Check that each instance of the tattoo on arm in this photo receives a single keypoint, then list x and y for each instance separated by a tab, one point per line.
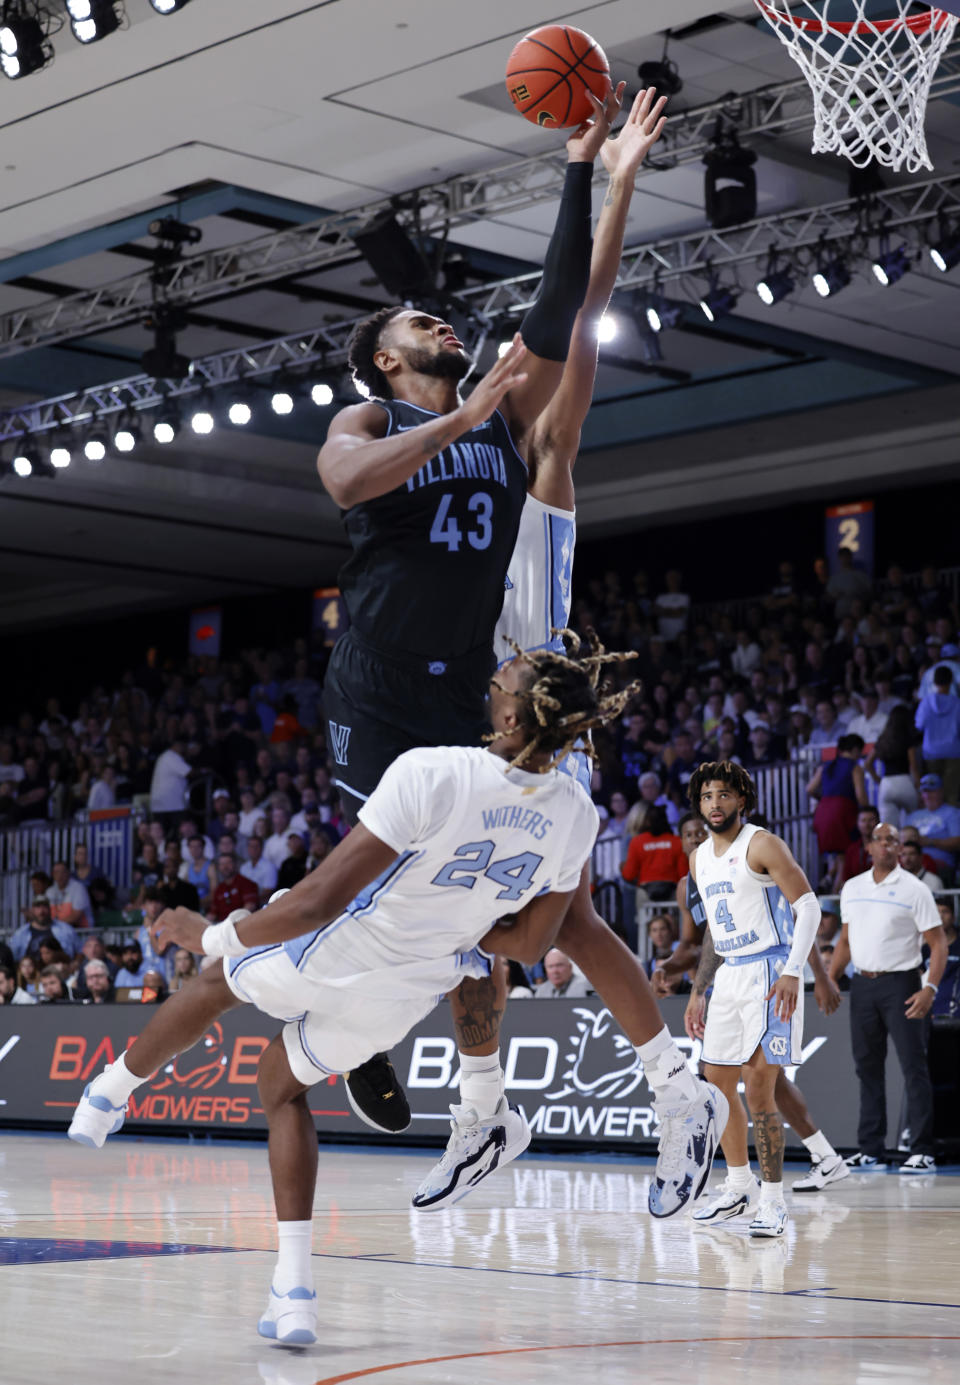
477	1006
709	965
768	1138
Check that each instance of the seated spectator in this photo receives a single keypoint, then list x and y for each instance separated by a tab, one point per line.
28	975
98	988
26	940
69	900
189	827
82	870
184	967
277	848
152	906
294	867
11	992
938	823
655	858
53	988
518	987
937	654
153	990
147	868
560	978
685	760
320	848
829	926
198	871
856	858
870	721
760	752
661	933
911	859
134	968
827	729
938	717
672	607
234	891
257	868
176	893
250	813
103	790
33	791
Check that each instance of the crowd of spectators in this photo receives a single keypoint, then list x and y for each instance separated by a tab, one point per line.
229	759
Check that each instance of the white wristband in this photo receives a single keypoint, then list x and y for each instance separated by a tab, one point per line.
220	939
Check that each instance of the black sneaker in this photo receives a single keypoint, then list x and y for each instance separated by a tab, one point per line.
375	1093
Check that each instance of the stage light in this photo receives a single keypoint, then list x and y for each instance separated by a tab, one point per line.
831	277
775	286
322	396
201	420
95	448
23	462
891	265
168	6
607	328
718	302
24	46
240	413
946	253
127	434
92	20
60	456
281	402
662	315
166	427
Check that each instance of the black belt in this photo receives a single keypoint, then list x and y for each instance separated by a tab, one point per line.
894	971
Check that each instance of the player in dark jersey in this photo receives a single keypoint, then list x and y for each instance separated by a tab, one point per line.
431	490
826	1165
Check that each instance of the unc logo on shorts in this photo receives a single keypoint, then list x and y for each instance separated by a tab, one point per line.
339	739
778	1046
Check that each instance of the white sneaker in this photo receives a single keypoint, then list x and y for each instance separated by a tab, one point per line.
689	1136
865	1163
95	1117
770	1220
728	1202
290	1318
822	1172
475	1149
918	1163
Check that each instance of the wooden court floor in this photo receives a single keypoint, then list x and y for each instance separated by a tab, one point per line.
149	1261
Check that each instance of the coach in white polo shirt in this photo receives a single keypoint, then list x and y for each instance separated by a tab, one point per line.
887	914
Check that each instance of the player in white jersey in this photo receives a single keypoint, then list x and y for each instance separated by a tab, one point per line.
536	603
361	949
750	886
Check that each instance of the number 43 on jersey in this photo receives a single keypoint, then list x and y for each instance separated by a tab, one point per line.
445	528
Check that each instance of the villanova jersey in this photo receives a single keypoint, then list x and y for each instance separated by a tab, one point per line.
695	904
748	915
426	574
538	584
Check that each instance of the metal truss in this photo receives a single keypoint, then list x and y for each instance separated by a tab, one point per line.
775	110
836	226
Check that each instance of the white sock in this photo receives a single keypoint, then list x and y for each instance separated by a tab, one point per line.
666	1070
771	1192
117	1083
819	1146
294	1269
739	1176
481	1083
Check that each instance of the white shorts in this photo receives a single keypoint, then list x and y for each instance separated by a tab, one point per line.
343	1001
740	1019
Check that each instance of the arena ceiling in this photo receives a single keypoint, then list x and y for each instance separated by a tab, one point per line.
244	118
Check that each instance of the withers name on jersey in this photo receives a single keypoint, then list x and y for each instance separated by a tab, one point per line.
517	819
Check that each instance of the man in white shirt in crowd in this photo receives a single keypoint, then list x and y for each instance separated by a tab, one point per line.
887	914
168	787
911	858
275	848
69	901
259	869
871	721
102	794
250	813
560	978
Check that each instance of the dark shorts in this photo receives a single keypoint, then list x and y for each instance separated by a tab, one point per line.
378	705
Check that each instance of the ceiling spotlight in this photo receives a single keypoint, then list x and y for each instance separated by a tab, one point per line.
775	286
240	413
201	420
607	328
718	302
60	456
322	396
662	315
166	428
891	265
24	46
23	462
127	434
95	448
831	277
946	253
168	6
92	20
281	402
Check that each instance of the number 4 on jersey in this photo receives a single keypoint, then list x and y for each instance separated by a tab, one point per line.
724	916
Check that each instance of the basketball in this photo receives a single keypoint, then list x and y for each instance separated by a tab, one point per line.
550	72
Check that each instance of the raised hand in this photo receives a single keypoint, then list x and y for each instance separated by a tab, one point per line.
623	154
587	140
494	385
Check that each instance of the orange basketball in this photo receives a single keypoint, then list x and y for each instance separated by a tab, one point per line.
549	73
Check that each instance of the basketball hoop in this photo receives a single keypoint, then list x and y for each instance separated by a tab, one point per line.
870	77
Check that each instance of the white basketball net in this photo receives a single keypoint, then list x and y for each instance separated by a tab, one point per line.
870	78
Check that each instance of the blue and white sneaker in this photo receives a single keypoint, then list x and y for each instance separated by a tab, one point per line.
865	1163
770	1220
689	1136
290	1318
95	1118
728	1202
475	1149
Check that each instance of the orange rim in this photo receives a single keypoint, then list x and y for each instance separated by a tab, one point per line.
916	23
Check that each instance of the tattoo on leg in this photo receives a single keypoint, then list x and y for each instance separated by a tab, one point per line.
768	1138
476	1012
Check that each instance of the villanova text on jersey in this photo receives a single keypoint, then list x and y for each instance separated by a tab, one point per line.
426	575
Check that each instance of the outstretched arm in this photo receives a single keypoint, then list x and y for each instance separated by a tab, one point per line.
556	435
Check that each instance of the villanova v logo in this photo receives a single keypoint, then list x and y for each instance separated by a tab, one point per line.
339	739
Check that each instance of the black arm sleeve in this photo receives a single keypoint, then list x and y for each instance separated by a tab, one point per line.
548	325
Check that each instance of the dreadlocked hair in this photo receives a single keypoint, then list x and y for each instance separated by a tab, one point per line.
563	700
726	772
364	343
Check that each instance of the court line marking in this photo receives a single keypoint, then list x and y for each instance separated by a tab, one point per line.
593	1346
